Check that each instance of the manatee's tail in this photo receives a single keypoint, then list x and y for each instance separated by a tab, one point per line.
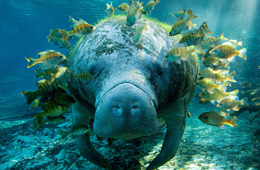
63	134
191	15
233	121
31	61
242	53
29	96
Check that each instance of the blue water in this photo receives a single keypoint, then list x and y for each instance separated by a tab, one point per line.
24	26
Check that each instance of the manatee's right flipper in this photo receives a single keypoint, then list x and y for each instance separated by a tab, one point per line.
175	129
80	116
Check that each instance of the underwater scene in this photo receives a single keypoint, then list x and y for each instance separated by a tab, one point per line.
130	85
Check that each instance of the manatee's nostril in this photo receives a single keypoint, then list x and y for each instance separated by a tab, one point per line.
117	111
135	110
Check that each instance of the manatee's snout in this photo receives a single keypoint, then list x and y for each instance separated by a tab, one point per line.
125	112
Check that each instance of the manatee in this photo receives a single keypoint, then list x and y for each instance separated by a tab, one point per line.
135	91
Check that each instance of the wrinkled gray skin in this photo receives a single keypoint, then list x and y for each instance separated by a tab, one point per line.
135	90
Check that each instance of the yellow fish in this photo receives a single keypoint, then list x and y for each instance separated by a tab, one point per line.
124	7
232	103
138	32
193	39
213	41
180	14
45	73
75	131
178	53
189	25
63	98
208	85
110	8
181	24
228	52
79	29
85	76
52	109
213	61
215	118
134	13
64	74
218	95
47	59
150	5
44	90
49	120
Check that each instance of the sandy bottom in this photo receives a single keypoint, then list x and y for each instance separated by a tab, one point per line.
202	147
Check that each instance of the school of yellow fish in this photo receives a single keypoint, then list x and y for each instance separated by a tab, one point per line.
52	97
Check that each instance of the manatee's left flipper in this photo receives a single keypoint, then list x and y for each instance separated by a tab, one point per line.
89	152
80	115
175	130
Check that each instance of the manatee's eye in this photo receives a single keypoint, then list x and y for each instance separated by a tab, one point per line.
206	117
91	27
61	56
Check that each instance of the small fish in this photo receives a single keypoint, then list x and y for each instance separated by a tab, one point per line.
193	39
189	115
216	75
180	14
245	84
181	24
150	5
257	98
232	103
75	131
218	95
72	20
56	36
189	25
213	61
52	109
45	73
134	13
138	32
228	52
124	7
79	29
205	27
47	58
110	8
215	118
178	53
208	85
213	41
233	43
63	98
44	89
49	120
64	74
85	76
35	103
254	91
